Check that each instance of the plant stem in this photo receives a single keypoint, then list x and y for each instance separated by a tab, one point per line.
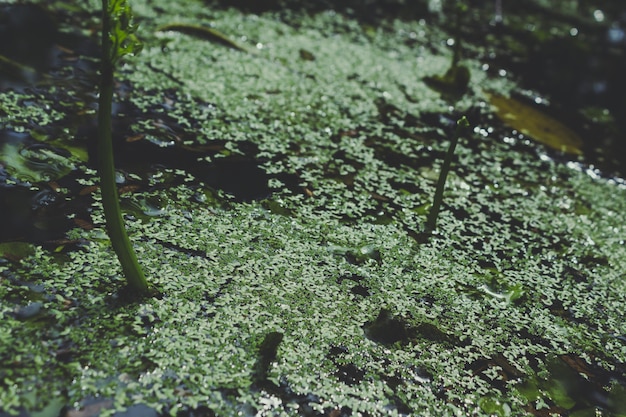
431	221
106	167
459	9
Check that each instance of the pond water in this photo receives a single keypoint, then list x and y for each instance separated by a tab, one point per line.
275	173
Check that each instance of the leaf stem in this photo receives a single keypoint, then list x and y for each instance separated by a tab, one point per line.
106	167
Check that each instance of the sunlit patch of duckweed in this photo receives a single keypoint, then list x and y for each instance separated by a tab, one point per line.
21	112
522	285
226	282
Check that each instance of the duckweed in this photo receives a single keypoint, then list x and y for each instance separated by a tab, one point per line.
264	304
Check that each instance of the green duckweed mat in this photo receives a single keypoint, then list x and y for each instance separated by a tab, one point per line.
279	213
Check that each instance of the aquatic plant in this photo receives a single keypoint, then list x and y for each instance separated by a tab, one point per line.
118	40
431	221
457	77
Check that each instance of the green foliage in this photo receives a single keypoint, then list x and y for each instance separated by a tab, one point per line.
121	31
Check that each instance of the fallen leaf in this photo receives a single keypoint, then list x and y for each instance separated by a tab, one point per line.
537	125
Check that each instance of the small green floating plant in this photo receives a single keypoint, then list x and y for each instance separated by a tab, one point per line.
431	222
118	40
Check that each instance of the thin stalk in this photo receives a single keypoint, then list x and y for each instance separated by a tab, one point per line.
459	9
110	198
431	221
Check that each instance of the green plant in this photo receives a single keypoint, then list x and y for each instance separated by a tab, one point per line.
431	221
118	39
456	79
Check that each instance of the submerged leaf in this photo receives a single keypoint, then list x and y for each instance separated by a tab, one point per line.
16	251
537	125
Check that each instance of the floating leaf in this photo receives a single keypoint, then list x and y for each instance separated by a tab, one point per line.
537	125
206	33
35	162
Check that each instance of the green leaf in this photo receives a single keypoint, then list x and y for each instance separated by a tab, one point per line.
536	124
122	31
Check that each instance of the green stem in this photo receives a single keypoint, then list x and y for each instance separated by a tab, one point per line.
456	54
431	221
110	199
